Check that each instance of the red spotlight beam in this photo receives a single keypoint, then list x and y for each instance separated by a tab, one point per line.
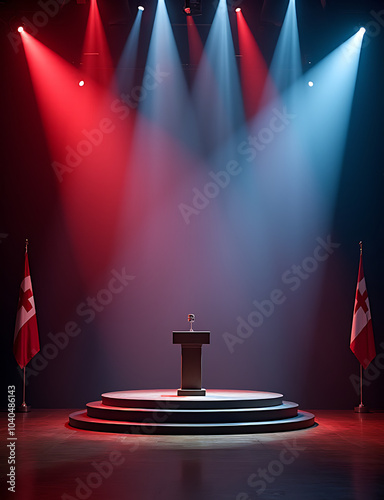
96	58
256	84
89	133
195	43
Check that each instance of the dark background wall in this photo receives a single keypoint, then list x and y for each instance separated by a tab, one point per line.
234	253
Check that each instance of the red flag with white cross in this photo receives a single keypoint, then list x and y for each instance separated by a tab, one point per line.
362	342
26	340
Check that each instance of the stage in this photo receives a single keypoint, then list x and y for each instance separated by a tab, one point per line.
340	458
188	186
162	411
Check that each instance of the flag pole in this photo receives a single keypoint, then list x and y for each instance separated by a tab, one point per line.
361	408
23	405
24	408
361	385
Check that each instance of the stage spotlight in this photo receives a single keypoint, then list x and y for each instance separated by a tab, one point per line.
81	83
140	7
362	31
20	29
310	83
193	7
238	9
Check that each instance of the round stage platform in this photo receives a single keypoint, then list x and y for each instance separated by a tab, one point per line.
219	412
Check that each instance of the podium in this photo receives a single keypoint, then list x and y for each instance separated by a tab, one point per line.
191	345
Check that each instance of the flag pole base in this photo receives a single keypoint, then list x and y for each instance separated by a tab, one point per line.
361	409
23	408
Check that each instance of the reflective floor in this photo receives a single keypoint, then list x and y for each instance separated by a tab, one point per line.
342	458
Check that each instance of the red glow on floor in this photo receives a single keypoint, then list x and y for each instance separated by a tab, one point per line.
96	57
88	131
253	69
195	43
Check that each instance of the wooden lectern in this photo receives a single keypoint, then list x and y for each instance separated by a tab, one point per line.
191	343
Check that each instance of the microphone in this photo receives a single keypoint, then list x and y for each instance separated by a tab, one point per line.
191	319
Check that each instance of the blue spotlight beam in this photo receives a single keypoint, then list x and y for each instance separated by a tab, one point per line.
291	159
165	100
217	90
286	63
324	110
126	67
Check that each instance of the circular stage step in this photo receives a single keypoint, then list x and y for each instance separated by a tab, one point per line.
197	416
219	412
213	399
